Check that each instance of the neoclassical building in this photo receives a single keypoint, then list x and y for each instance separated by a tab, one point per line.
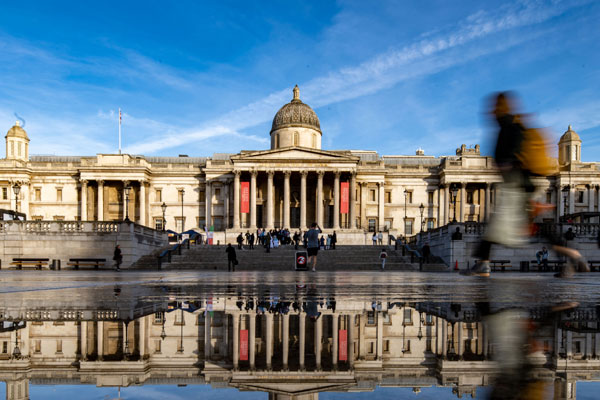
290	185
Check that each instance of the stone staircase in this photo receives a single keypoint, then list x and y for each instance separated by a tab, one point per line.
345	257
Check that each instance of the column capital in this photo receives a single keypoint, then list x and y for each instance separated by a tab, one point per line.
83	181
380	184
363	184
287	173
237	172
142	182
442	185
126	183
463	185
270	172
320	173
304	173
254	173
337	174
100	181
588	186
597	186
207	181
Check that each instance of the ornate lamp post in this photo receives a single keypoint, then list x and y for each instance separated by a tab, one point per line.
182	221
454	194
163	206
127	352
421	209
16	190
420	334
16	352
163	334
126	189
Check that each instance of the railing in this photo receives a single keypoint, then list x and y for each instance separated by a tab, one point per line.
167	254
77	227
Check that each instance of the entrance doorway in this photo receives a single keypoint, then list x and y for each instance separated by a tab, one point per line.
295	217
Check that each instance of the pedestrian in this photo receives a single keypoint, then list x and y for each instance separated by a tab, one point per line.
426	253
252	241
240	241
542	259
231	258
267	242
382	257
569	235
118	257
380	238
333	240
322	243
328	242
296	240
312	244
374	238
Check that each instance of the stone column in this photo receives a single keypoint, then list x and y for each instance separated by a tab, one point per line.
270	200
100	338
142	334
226	210
236	199
126	212
252	341
269	347
236	341
83	345
83	215
334	340
571	199
569	344
302	327
588	346
143	220
590	189
353	200
379	336
336	201
207	337
459	334
363	205
351	340
445	336
560	209
380	208
100	200
286	340
320	198
286	199
440	214
486	345
207	203
303	175
318	341
447	216
463	199
487	202
253	175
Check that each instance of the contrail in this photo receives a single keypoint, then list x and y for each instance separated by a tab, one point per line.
20	119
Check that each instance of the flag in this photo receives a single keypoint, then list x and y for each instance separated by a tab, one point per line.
345	197
119	116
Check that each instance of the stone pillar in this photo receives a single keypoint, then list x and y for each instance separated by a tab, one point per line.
379	336
83	344
126	200
363	205
236	199
252	341
286	340
440	212
351	340
253	175
569	344
226	210
207	203
353	200
463	199
591	190
286	199
236	341
318	341
100	200
487	202
444	327
560	204
303	175
380	208
302	327
100	338
336	201
142	334
143	220
334	340
269	347
461	345
571	199
486	335
83	213
207	337
270	200
588	346
320	198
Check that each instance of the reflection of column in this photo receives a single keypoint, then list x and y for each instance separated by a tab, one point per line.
253	199
444	338
320	198
459	327
381	222
207	337
335	339
100	200
350	326
303	199
143	203
207	203
286	340
318	341
236	341
569	345
353	201
286	199
463	199
485	335
597	344
84	216
142	337
252	340
379	336
100	337
83	346
336	201
236	200
588	346
269	349
270	200
302	327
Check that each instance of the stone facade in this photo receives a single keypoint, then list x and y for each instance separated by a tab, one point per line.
291	185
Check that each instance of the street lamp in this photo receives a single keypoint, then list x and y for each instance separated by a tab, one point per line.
16	352
182	221
16	190
421	209
163	206
163	334
420	334
454	194
126	189
127	352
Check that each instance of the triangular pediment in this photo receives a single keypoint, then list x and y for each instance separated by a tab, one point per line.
294	153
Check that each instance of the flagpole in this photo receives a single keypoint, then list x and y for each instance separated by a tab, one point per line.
119	131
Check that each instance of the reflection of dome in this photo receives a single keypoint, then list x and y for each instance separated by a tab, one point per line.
17	132
296	114
569	135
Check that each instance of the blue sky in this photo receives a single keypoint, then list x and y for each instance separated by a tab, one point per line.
203	77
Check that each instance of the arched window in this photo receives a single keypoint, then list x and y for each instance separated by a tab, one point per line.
276	140
296	138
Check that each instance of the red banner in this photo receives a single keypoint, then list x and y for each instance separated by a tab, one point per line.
345	192
245	197
343	345
244	345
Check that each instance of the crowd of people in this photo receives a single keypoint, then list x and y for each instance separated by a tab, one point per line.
282	237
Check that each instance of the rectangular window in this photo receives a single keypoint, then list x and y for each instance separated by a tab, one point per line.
59	195
38	346
180	197
372	225
158	195
428	345
4	193
218	193
428	319
407	346
371	348
5	347
386	318
157	346
388	224
386	346
158	223
407	316
409	197
580	194
59	346
370	318
408	227
430	223
179	319
430	197
372	195
469	197
388	197
158	318
38	194
201	196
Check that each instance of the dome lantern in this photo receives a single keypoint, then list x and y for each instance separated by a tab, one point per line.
17	143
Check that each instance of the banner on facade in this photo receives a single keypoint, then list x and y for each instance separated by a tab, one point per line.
245	197
343	345
345	195
244	344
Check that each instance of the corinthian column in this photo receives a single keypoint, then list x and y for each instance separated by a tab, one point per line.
100	200
270	200
303	175
336	201
381	212
320	198
286	199
207	203
253	199
236	200
143	203
463	199
84	200
353	201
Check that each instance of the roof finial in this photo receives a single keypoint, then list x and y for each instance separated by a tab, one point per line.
296	93
17	123
569	128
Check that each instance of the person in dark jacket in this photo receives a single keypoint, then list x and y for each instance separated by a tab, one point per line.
118	257
231	258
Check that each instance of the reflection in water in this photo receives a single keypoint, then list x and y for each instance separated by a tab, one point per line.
297	346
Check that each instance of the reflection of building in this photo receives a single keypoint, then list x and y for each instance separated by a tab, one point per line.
290	185
291	354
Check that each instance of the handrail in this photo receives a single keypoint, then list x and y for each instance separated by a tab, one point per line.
169	252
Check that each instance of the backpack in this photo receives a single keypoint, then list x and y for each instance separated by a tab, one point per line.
534	155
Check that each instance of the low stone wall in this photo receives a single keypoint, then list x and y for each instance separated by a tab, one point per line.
62	240
462	250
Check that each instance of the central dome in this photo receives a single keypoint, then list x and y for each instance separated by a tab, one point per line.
296	124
